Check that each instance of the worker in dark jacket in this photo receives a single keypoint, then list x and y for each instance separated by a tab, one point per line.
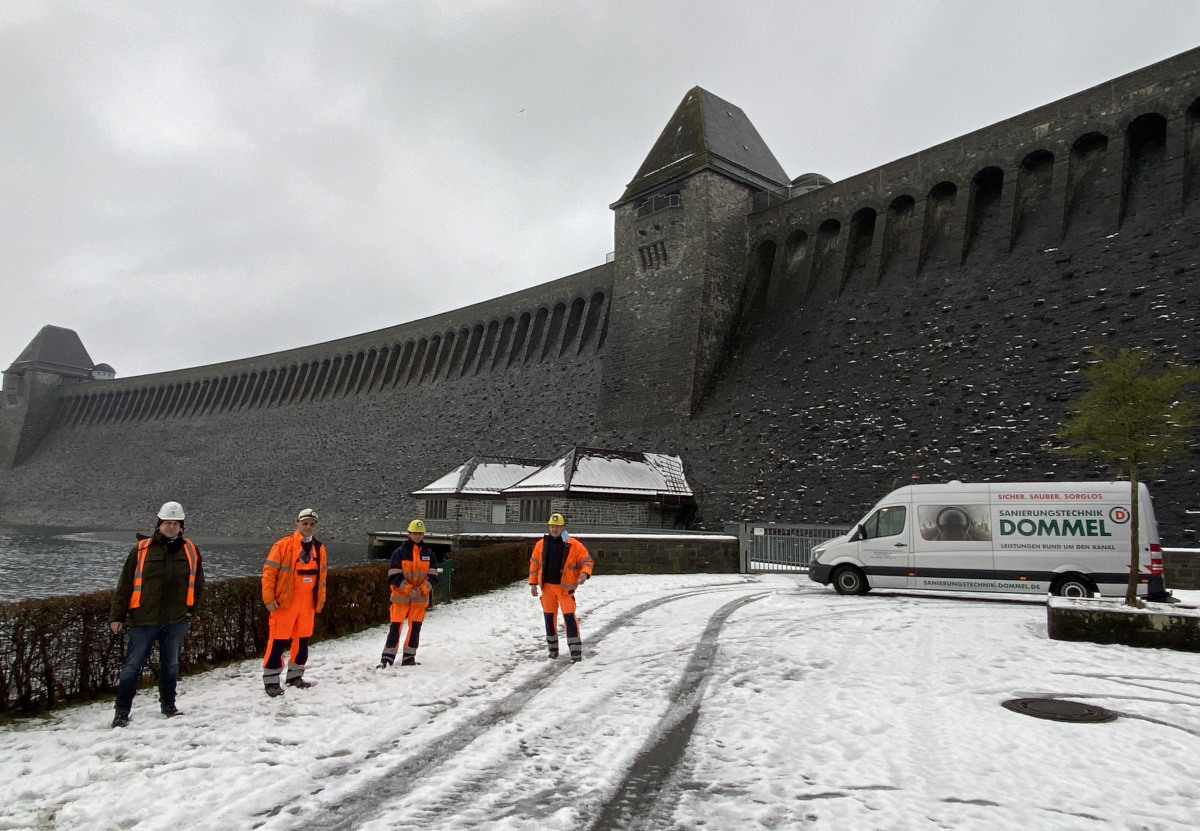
159	586
412	574
560	564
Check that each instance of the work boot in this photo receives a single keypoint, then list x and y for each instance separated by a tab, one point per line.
299	683
170	710
274	690
384	663
551	634
121	720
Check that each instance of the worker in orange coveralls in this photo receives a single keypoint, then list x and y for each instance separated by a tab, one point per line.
559	565
293	589
412	574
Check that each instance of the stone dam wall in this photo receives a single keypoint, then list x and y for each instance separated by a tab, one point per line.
923	321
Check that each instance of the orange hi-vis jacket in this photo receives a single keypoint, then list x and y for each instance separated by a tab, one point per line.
135	598
412	571
577	561
282	565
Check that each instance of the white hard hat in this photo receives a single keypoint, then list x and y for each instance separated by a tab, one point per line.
171	510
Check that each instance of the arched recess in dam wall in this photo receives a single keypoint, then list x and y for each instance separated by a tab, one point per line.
424	353
352	426
927	320
924	319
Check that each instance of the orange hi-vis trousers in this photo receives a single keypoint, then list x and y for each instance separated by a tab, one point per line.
412	609
290	630
553	598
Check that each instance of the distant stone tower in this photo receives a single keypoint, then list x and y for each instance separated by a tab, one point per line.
681	261
54	357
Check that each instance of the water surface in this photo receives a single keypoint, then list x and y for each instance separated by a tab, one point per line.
42	561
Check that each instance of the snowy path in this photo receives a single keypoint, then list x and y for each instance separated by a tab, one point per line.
718	701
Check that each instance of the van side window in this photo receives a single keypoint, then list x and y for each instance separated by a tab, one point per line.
886	522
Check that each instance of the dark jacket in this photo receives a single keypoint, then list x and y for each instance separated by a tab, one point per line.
577	563
164	585
412	565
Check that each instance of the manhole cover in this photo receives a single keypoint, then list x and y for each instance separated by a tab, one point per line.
1056	709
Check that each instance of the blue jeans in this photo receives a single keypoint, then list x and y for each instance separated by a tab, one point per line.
139	640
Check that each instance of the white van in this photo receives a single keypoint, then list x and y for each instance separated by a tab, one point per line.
1068	538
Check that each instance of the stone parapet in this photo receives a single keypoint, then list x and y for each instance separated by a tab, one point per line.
664	556
1158	625
1181	568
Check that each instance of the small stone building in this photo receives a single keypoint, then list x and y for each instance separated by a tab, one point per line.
472	492
589	486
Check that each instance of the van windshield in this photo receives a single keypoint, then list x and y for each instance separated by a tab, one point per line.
886	522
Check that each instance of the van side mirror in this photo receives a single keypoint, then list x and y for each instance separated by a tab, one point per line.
860	533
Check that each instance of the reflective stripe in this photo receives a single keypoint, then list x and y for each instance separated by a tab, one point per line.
272	564
193	561
135	599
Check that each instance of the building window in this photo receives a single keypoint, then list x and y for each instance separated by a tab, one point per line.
535	510
435	508
653	255
657	203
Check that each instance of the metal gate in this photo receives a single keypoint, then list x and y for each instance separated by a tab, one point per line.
777	547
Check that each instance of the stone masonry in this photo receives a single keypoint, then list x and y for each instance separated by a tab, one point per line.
803	352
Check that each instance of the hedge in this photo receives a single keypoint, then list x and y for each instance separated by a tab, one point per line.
60	650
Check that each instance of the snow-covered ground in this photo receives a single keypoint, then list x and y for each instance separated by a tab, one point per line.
704	701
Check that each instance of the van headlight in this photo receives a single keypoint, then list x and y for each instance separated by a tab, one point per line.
817	552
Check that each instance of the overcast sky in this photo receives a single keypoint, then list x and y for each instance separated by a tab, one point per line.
184	183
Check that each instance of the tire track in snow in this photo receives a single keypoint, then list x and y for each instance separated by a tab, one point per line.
500	792
643	799
351	811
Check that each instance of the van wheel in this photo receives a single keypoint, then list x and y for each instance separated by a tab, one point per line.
849	580
1074	585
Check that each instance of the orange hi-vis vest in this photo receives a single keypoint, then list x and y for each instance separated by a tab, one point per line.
143	546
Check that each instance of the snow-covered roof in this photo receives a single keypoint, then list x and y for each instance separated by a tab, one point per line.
589	470
482	475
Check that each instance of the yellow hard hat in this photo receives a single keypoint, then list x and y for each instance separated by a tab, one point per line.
557	519
416	526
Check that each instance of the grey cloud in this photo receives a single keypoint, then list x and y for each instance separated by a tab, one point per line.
187	183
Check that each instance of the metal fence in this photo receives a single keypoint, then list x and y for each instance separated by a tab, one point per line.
778	547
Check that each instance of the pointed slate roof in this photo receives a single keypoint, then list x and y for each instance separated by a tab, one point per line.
55	349
482	475
707	132
589	470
